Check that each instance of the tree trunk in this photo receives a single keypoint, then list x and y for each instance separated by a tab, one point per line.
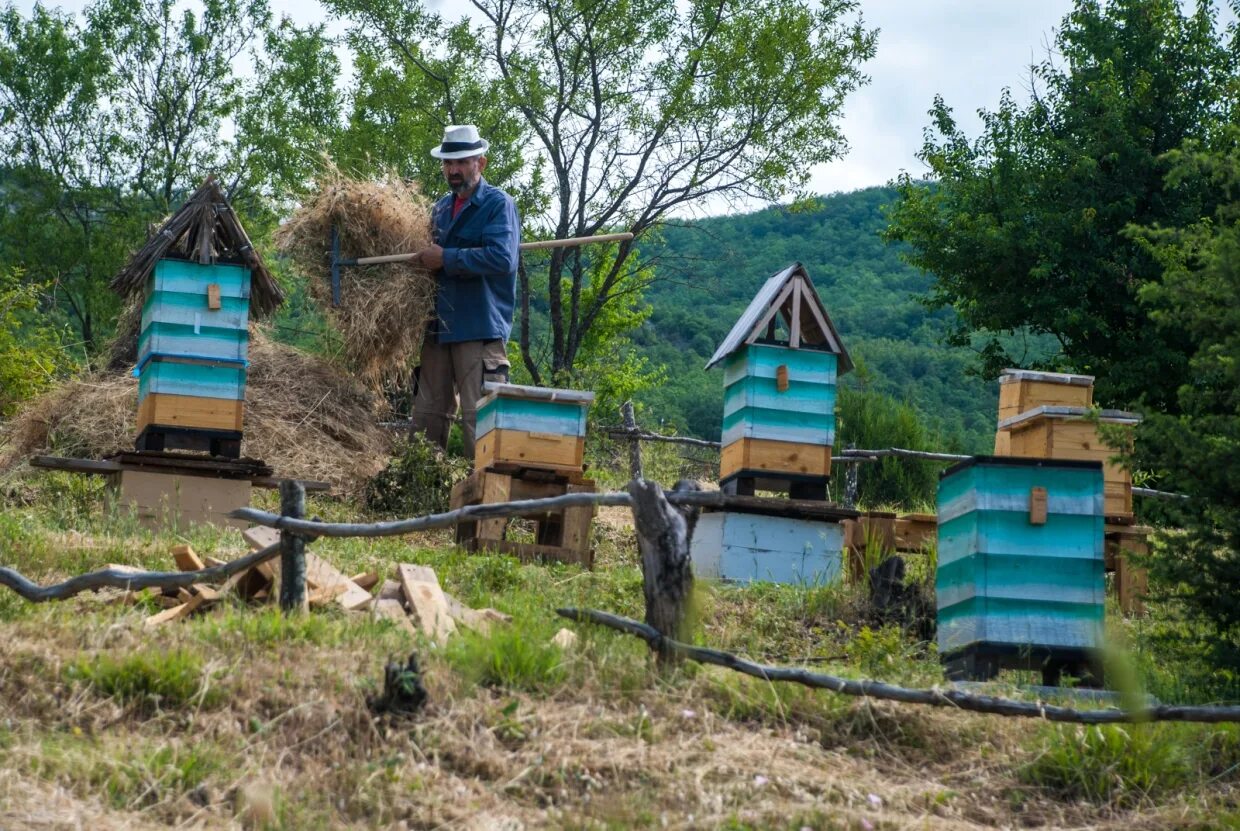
292	550
663	534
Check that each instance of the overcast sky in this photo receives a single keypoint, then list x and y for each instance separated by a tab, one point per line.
966	50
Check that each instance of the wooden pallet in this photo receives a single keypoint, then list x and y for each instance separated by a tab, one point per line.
1131	582
795	486
561	535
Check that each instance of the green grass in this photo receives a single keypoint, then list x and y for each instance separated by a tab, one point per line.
149	681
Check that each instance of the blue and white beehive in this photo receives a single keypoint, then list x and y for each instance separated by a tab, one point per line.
747	547
537	427
1020	557
200	280
781	361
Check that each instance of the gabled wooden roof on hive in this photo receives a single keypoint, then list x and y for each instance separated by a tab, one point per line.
205	230
790	293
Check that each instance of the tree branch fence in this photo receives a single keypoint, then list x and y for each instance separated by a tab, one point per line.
664	524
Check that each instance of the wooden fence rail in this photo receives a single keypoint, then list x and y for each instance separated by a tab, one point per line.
664	524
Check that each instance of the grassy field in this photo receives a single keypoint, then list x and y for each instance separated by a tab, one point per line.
242	718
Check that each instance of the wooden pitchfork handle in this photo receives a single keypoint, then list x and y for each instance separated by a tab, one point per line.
525	246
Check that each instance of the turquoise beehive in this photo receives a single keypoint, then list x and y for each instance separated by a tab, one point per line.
1020	561
781	361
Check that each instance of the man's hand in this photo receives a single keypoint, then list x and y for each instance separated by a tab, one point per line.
431	257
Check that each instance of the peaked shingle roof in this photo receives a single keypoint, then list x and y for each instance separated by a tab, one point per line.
780	294
204	230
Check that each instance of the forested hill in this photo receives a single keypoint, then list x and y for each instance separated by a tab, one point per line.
710	269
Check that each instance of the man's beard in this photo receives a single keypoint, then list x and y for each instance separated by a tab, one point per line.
461	187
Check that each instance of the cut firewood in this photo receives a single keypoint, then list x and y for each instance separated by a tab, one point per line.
260	536
212	562
479	620
320	574
321	597
391	590
182	610
388	609
186	559
184	595
367	580
426	600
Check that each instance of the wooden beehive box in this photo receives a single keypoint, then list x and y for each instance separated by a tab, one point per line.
193	347
745	547
778	411
1020	556
536	427
1049	432
1021	390
781	361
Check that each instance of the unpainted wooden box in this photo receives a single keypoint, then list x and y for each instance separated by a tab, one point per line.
1067	433
1009	576
175	501
1021	390
752	547
776	457
190	411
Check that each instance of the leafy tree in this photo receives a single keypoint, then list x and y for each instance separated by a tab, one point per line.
870	419
108	124
635	109
32	355
1023	226
1197	452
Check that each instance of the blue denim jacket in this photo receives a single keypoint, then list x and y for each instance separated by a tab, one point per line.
478	283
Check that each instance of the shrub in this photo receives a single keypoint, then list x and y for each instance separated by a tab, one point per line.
418	480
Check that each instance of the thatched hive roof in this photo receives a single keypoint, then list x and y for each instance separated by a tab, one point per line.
205	230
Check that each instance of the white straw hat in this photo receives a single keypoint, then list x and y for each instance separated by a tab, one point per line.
460	141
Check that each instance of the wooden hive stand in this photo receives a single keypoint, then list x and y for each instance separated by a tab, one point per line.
563	536
1131	582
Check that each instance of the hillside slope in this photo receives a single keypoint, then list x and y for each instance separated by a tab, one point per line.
711	268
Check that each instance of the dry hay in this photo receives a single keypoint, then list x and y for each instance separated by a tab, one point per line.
302	417
384	309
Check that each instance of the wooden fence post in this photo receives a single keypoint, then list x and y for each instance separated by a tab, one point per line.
635	445
663	535
851	473
292	550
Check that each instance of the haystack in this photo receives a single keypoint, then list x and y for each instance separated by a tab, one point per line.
384	309
303	417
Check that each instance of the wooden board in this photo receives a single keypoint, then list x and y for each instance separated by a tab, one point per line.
541	450
775	457
1017	396
186	559
321	574
190	411
426	600
388	609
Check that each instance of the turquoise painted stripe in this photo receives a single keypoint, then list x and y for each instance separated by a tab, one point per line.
1062	537
1020	578
227	382
182	276
778	425
800	397
191	309
761	361
170	339
562	418
1019	479
1014	622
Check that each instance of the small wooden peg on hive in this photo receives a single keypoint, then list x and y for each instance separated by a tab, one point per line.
213	296
781	378
1037	506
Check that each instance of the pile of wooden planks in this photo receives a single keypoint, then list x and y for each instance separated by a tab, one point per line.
412	598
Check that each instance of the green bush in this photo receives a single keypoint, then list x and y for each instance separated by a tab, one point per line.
512	657
418	480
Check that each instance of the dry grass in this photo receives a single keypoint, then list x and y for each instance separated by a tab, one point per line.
384	309
303	417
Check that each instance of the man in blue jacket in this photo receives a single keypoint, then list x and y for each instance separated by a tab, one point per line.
477	234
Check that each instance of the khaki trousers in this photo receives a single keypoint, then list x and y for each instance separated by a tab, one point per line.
449	372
